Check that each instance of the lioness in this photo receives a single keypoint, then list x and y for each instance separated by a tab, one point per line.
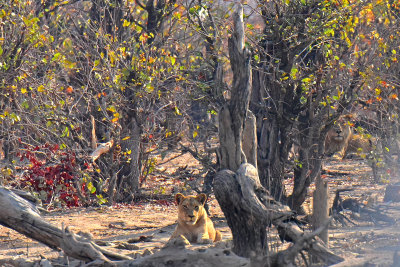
193	223
341	141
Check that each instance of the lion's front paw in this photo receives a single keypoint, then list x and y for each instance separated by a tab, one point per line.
179	241
205	241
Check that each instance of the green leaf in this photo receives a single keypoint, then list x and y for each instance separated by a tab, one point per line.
25	104
293	72
101	200
65	132
91	188
56	57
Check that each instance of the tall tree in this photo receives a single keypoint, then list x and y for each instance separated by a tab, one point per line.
307	72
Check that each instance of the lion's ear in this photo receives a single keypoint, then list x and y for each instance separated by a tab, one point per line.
178	198
202	198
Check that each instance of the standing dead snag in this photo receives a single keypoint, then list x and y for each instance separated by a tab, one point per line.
321	207
232	116
247	205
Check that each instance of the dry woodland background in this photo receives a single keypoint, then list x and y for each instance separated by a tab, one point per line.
144	227
110	108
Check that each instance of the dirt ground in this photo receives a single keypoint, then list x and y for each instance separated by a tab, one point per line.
141	228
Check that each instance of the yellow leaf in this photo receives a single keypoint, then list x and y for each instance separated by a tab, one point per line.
126	138
112	109
40	88
114	120
23	90
126	23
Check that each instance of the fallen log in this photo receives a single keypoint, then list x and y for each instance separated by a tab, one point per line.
23	216
181	257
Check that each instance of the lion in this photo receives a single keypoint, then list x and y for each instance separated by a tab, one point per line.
360	145
194	225
337	138
340	140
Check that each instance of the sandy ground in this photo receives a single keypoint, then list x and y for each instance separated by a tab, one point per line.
142	228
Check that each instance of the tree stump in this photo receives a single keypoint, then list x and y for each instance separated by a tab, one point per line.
248	230
321	208
249	210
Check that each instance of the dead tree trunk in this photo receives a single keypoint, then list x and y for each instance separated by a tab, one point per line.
321	208
233	115
249	233
249	210
247	205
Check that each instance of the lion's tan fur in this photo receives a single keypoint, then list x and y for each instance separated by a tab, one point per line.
337	138
341	141
194	225
360	145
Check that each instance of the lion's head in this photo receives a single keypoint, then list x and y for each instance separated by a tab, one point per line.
190	208
340	131
338	137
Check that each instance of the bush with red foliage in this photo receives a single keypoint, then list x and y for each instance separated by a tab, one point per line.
52	177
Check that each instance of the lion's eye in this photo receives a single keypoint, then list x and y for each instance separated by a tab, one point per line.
184	206
196	208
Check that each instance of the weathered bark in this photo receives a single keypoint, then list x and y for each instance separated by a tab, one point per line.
271	155
249	210
248	231
232	116
178	257
249	140
126	183
23	216
135	157
306	241
321	208
226	137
